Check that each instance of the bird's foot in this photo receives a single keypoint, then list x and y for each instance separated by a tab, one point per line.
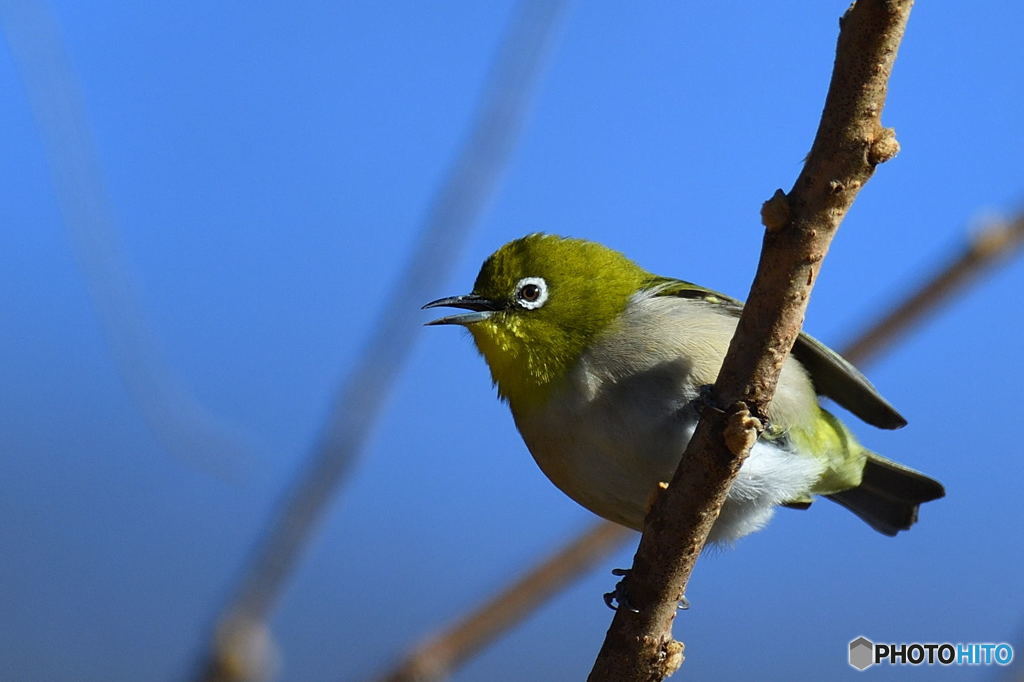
619	598
706	400
775	433
770	430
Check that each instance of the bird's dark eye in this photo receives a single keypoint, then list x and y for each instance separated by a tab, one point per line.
529	293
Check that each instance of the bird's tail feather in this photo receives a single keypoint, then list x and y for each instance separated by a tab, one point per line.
889	495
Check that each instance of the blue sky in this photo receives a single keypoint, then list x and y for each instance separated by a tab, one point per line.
267	167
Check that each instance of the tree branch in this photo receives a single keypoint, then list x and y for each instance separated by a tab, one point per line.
849	143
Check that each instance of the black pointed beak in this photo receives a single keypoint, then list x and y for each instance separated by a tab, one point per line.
482	309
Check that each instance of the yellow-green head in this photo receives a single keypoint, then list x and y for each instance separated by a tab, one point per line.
538	304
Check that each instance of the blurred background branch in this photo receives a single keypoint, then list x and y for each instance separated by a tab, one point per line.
240	648
182	425
985	249
439	654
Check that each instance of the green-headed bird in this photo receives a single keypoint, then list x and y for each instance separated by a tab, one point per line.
603	366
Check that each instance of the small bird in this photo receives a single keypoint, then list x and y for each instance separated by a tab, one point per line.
605	366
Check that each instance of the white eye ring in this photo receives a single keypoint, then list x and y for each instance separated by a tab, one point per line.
531	292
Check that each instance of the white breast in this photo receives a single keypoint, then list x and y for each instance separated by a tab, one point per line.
620	423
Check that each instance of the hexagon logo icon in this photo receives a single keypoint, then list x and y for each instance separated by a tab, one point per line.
862	653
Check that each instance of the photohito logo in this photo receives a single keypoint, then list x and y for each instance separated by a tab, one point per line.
864	653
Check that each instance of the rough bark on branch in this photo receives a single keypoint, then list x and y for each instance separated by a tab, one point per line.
800	225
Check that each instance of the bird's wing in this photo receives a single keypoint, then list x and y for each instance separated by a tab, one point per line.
833	376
